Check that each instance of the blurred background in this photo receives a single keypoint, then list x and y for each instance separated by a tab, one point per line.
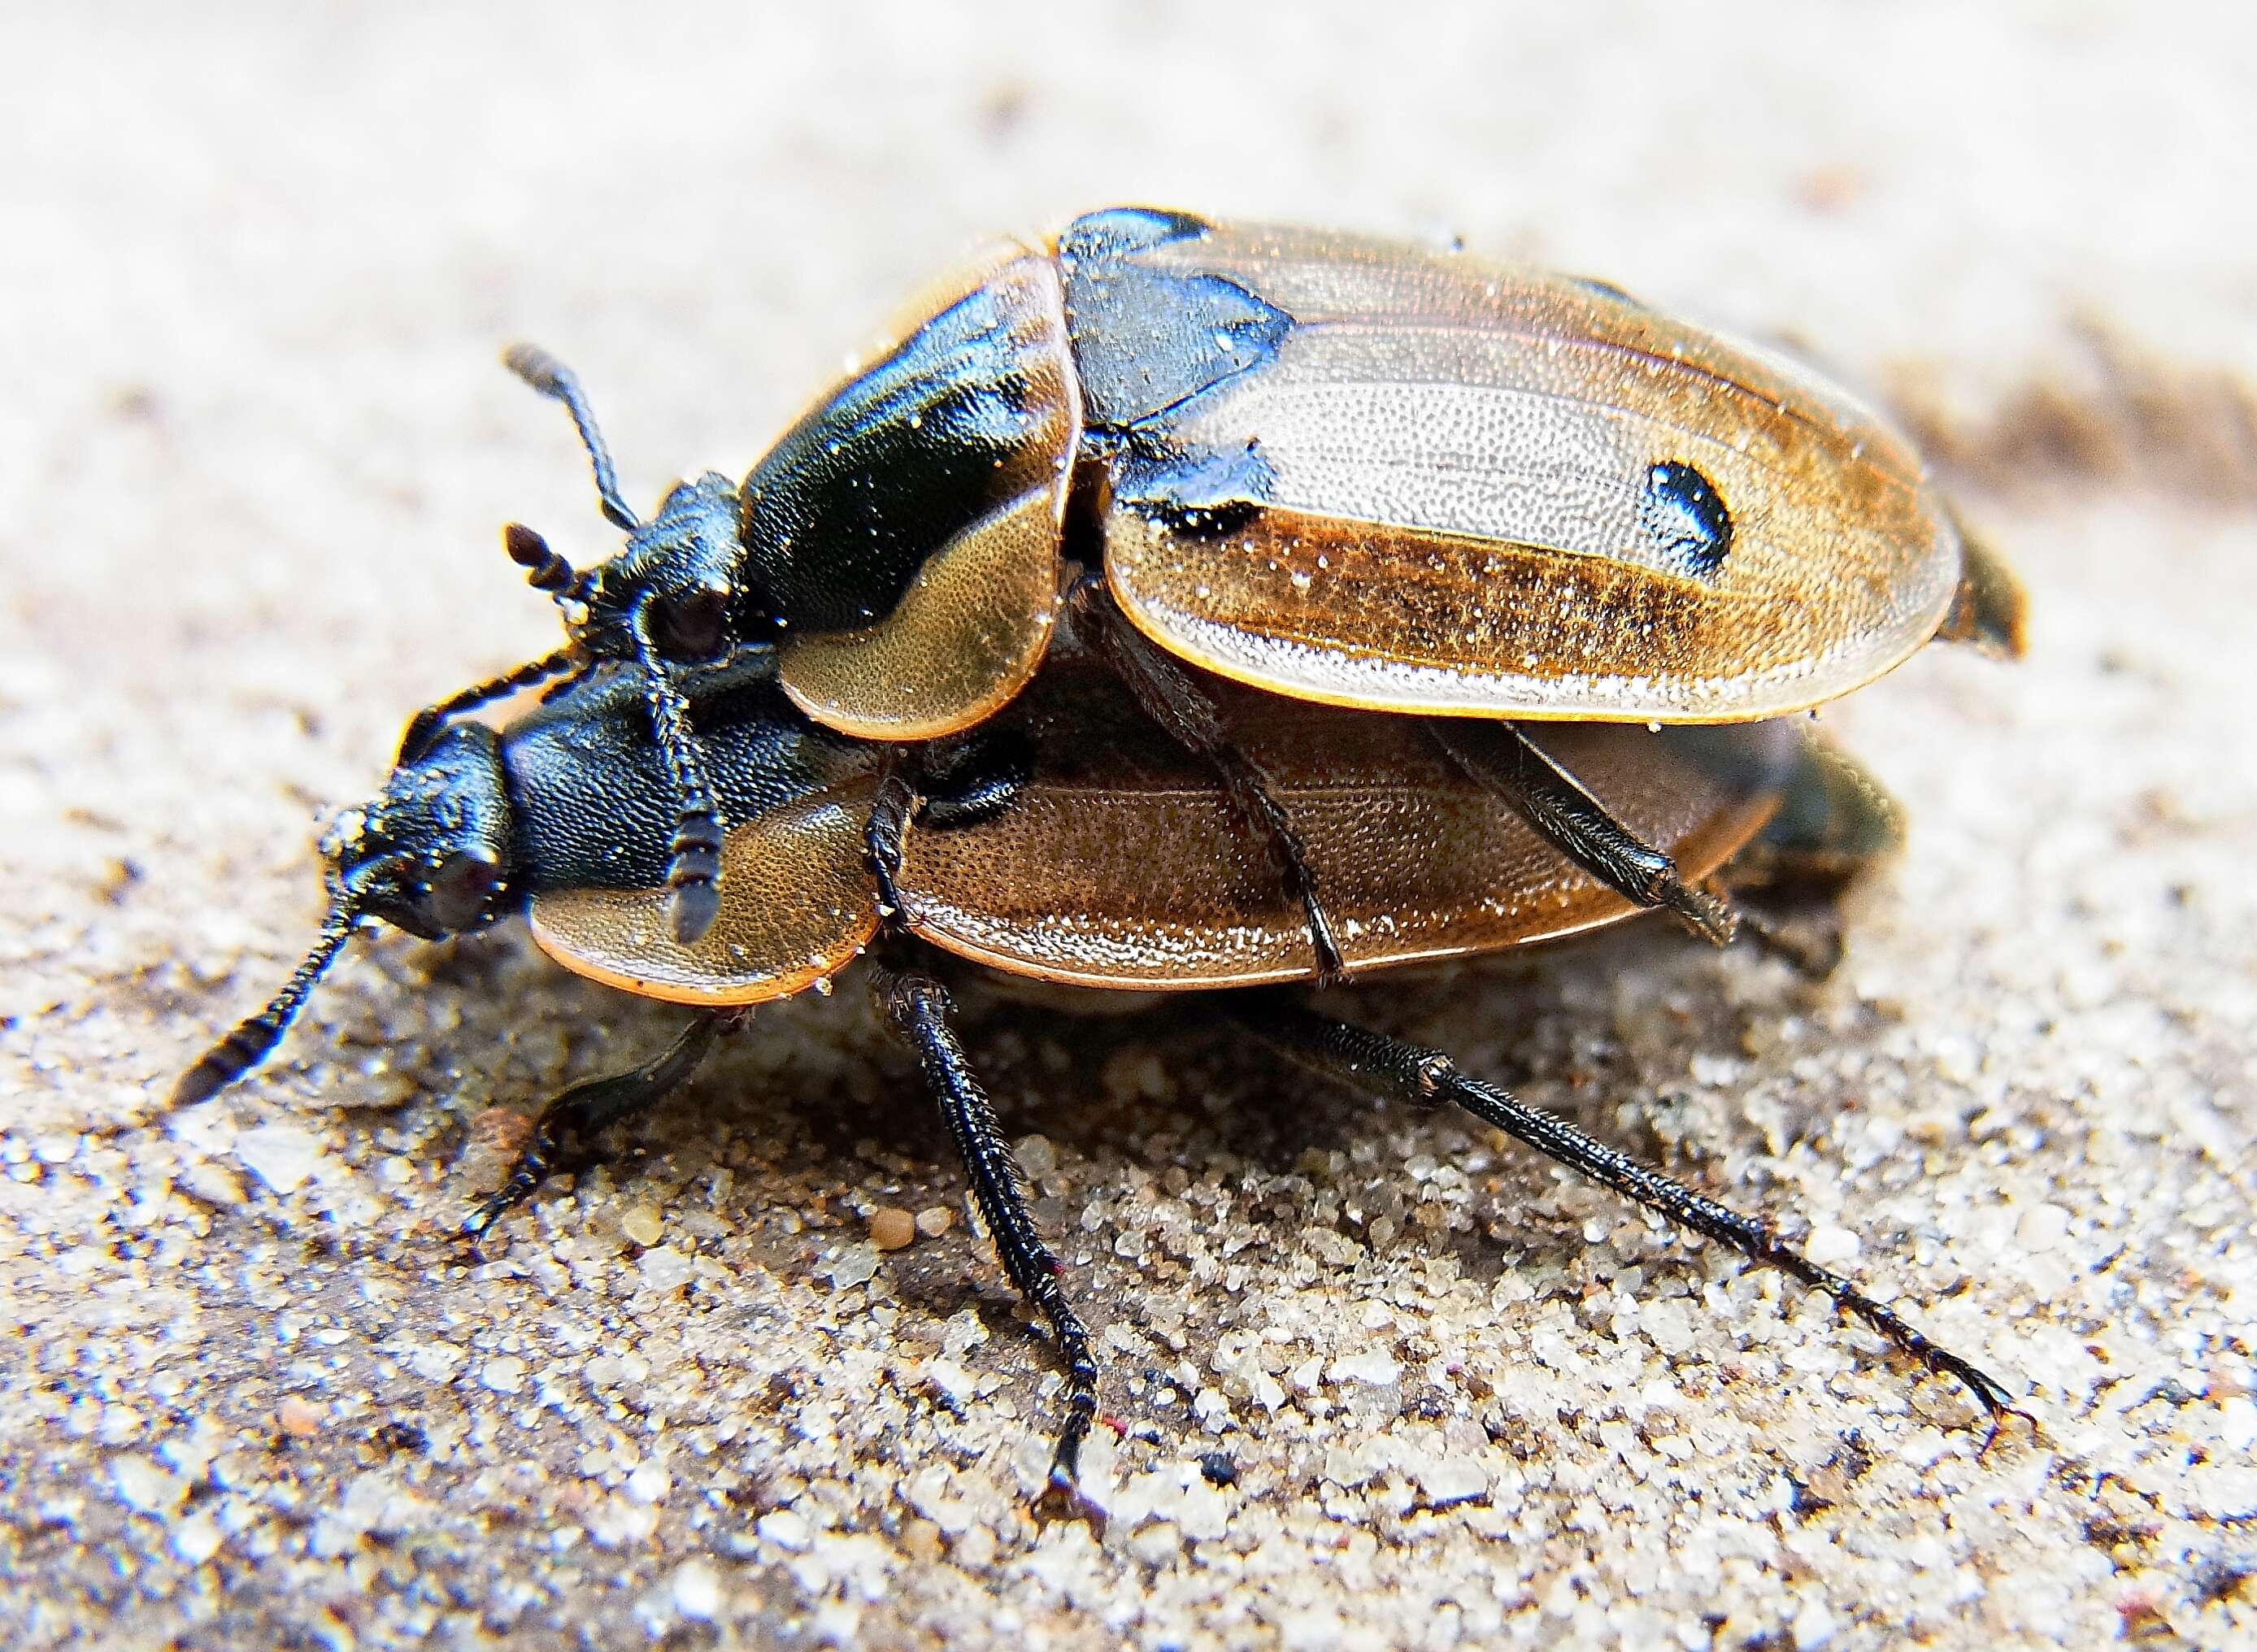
256	262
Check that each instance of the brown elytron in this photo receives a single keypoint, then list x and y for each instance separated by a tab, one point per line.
1120	865
969	630
797	906
1453	514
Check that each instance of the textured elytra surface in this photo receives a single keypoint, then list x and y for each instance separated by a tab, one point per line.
255	453
1455	459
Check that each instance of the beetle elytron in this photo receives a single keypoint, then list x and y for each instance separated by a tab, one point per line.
1325	519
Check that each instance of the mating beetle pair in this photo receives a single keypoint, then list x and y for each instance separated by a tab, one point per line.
1407	500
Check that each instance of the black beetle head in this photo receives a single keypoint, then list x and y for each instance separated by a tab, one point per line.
431	854
672	592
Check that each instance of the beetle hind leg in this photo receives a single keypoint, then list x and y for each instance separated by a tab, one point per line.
1558	809
1379	1064
1172	698
588	1108
919	1008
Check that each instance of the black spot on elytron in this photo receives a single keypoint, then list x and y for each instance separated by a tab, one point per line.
1686	518
1198	493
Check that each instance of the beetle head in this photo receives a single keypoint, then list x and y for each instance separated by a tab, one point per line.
432	853
670	594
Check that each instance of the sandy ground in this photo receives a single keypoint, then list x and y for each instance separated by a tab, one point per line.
253	451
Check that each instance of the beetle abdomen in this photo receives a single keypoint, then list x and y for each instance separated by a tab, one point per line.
906	529
1119	863
1456	486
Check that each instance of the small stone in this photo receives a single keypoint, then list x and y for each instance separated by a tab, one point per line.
143	1485
1832	1247
784	1528
951	1381
1446	1480
434	1361
698	1590
664	1269
934	1220
213	1183
856	1265
299	1418
282	1156
1036	1156
2042	1228
1372	1366
505	1375
890	1230
649	1483
643	1224
196	1539
1813	1626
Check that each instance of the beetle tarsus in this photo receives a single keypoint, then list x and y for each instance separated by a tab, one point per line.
693	874
1428	1078
588	1108
693	865
1709	915
919	1008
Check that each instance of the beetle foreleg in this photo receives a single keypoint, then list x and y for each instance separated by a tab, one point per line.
918	1006
1169	695
585	1109
693	864
1427	1078
1554	804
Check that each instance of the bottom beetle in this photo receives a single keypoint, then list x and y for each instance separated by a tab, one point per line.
1072	843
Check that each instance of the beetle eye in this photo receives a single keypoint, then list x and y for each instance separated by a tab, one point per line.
692	625
460	889
1685	516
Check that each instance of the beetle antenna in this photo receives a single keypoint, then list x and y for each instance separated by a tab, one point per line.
544	569
249	1043
693	866
551	377
428	720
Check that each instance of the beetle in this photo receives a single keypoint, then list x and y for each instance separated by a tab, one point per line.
1338	468
1071	842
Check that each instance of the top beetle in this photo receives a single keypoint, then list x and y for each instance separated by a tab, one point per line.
1337	468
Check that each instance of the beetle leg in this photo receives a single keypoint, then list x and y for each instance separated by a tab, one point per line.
1168	695
1422	1078
427	722
587	1108
1553	802
890	813
693	863
918	1006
